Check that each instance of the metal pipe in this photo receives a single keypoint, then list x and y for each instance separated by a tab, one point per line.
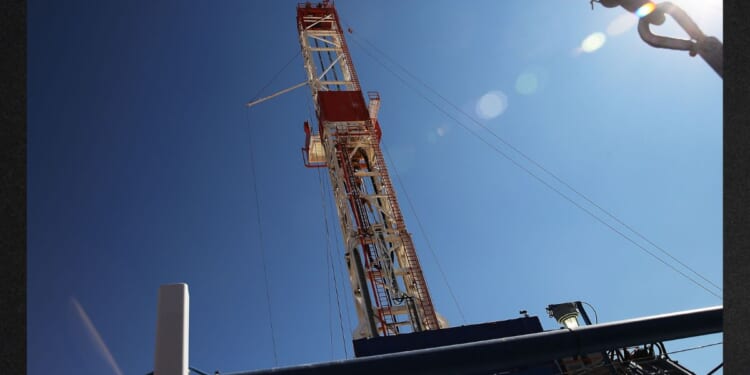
284	91
712	51
171	353
511	352
584	315
716	368
707	47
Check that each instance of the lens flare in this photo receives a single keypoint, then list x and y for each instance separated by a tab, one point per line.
96	337
491	105
435	134
593	42
645	9
527	83
621	24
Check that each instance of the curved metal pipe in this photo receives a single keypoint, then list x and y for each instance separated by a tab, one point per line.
709	48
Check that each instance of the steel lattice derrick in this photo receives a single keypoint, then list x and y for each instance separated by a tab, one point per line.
390	291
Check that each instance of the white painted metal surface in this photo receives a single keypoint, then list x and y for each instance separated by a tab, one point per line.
316	153
172	323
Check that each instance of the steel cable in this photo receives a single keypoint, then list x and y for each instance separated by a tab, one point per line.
260	239
273	78
538	165
424	234
330	261
324	201
532	174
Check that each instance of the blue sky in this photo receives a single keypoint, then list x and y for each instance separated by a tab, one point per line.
140	172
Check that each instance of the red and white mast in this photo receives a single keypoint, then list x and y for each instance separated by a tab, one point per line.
390	291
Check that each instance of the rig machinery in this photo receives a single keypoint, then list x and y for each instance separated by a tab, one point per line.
393	303
399	330
390	291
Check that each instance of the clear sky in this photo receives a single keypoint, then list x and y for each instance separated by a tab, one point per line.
140	172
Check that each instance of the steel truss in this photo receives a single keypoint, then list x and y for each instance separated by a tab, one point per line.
390	291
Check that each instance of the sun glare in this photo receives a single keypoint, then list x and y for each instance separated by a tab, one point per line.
593	42
707	14
645	9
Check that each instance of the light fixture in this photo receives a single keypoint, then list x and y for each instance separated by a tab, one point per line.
565	314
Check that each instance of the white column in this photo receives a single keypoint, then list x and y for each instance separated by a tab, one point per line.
172	323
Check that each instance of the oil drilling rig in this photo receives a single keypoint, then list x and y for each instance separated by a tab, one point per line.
390	291
399	330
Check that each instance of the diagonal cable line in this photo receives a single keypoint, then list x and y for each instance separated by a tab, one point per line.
329	260
262	247
323	182
696	348
424	235
532	174
340	249
273	78
538	165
